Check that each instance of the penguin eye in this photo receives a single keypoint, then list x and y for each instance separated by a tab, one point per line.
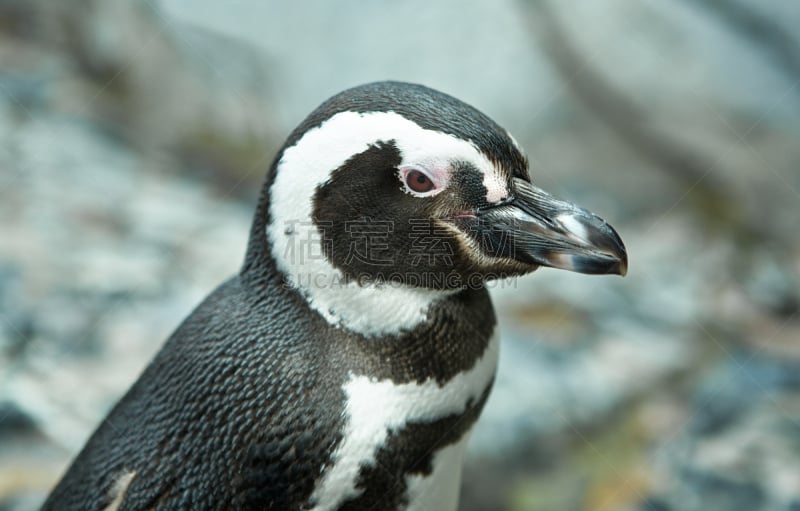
418	181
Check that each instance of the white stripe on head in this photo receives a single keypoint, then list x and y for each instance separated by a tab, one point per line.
496	186
295	240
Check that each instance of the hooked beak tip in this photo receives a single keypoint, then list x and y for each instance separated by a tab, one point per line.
610	255
622	267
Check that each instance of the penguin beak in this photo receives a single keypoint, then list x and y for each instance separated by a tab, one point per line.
535	228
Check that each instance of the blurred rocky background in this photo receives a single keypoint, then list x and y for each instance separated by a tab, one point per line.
134	135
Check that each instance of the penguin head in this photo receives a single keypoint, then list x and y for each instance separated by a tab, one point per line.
397	184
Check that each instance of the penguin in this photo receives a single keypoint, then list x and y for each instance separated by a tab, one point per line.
344	366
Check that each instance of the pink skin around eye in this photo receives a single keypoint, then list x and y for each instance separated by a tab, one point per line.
438	173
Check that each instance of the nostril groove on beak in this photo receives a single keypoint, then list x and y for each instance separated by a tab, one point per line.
502	202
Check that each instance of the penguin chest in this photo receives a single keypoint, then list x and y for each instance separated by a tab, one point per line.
403	443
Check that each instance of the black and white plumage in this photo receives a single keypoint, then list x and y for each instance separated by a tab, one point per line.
324	377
